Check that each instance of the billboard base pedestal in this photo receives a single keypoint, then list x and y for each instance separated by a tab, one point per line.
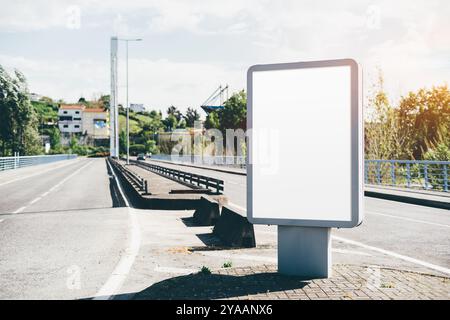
304	251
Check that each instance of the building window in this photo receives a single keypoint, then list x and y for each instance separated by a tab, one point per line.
77	112
65	126
76	126
65	112
77	119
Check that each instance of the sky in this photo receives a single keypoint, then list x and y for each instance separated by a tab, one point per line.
190	47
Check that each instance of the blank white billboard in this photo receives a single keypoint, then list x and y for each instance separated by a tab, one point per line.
305	153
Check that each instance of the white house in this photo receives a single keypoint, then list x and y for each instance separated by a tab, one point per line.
70	118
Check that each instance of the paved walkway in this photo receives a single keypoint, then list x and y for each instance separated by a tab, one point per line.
349	282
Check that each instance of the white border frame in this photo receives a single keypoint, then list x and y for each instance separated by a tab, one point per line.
357	135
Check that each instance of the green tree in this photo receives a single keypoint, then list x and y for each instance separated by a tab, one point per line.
212	121
191	116
234	113
18	119
425	117
383	137
170	123
172	110
54	138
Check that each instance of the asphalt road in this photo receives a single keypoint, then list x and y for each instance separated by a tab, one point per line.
417	232
60	237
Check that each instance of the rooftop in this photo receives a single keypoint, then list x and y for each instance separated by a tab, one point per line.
72	106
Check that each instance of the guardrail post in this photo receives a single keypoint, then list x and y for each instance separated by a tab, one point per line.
366	168
425	175
146	187
408	175
217	186
378	173
393	174
445	177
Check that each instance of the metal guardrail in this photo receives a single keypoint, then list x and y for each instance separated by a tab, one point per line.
427	175
9	163
189	178
131	176
227	161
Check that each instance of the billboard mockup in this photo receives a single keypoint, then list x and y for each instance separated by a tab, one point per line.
305	154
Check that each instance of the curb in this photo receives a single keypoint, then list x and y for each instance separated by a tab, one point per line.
406	199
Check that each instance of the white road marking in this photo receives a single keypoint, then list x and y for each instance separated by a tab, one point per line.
409	219
53	188
395	255
36	200
123	267
1	220
175	270
36	174
20	210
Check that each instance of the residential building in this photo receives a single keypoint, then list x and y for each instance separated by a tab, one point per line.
135	107
89	124
70	118
95	123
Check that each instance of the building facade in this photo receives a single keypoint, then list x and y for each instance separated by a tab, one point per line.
89	124
70	118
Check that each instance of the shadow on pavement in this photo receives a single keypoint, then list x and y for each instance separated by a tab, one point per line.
218	286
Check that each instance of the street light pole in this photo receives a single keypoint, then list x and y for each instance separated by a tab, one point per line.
128	114
127	105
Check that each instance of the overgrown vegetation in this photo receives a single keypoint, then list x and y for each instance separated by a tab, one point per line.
418	128
18	118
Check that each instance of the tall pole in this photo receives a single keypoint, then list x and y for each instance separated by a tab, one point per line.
113	112
128	115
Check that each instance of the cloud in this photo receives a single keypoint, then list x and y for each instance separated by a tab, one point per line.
156	83
408	40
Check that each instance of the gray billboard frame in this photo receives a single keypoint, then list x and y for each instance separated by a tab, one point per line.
356	142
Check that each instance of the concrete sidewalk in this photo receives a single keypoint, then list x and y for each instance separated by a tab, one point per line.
349	282
173	251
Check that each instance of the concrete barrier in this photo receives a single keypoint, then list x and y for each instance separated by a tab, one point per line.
207	213
234	229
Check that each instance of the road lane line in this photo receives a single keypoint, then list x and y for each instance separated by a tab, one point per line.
53	188
20	209
37	173
394	254
35	200
409	219
1	220
123	267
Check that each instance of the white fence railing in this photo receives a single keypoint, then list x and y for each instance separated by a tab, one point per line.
8	163
229	161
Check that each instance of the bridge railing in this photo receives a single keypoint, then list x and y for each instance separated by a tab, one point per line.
414	174
8	163
229	161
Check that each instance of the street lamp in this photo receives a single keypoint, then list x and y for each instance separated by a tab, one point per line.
128	106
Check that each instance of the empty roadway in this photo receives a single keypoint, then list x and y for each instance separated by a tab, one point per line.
415	231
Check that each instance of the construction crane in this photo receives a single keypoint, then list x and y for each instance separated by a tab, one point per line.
216	99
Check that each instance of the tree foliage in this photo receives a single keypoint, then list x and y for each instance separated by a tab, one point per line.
419	124
18	119
191	116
